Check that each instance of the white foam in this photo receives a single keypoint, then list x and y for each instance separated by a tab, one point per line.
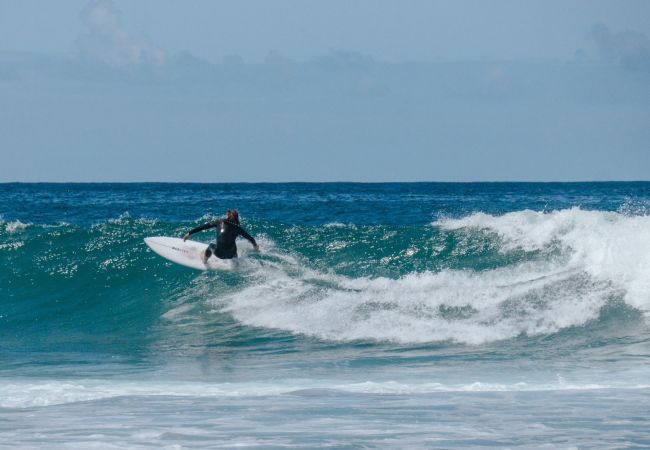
121	219
339	225
595	256
394	387
609	246
16	225
450	305
11	245
34	393
21	394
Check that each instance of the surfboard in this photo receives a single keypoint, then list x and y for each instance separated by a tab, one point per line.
186	253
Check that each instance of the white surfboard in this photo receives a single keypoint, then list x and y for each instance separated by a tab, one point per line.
186	253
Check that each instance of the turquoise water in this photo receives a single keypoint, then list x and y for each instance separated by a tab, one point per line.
376	315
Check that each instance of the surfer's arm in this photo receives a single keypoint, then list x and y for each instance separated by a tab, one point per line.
204	227
248	237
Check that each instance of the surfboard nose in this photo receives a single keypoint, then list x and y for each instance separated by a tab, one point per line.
150	241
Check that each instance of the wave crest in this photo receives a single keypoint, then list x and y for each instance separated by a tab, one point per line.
609	246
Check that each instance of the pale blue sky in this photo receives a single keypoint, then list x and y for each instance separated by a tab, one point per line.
324	91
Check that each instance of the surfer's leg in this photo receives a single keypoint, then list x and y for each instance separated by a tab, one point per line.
208	252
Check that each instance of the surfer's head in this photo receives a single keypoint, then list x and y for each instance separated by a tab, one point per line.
232	215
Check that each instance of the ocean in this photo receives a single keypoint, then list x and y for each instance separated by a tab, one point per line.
403	315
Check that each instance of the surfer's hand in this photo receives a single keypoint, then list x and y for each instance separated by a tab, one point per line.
256	248
186	237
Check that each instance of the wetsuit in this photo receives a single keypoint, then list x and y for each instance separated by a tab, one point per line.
227	232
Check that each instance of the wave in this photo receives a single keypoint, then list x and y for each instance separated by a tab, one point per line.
471	280
581	261
35	393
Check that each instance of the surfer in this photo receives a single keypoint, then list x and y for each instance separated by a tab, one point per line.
227	231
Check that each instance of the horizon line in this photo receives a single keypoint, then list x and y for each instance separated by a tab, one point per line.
334	182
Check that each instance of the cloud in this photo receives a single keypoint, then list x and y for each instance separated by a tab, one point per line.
628	48
106	41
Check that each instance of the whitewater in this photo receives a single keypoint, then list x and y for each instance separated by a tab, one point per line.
376	316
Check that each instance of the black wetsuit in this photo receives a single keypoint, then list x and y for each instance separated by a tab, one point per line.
227	232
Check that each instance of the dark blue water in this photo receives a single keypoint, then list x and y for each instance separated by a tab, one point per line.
445	299
306	203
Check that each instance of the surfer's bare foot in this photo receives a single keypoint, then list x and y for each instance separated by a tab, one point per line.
204	257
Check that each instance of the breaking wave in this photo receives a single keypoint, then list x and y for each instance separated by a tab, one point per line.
471	280
576	262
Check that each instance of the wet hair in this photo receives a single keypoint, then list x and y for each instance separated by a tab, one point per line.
233	215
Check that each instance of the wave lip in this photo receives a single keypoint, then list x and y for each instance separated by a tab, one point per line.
611	247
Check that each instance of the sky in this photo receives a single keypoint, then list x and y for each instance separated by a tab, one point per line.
212	91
